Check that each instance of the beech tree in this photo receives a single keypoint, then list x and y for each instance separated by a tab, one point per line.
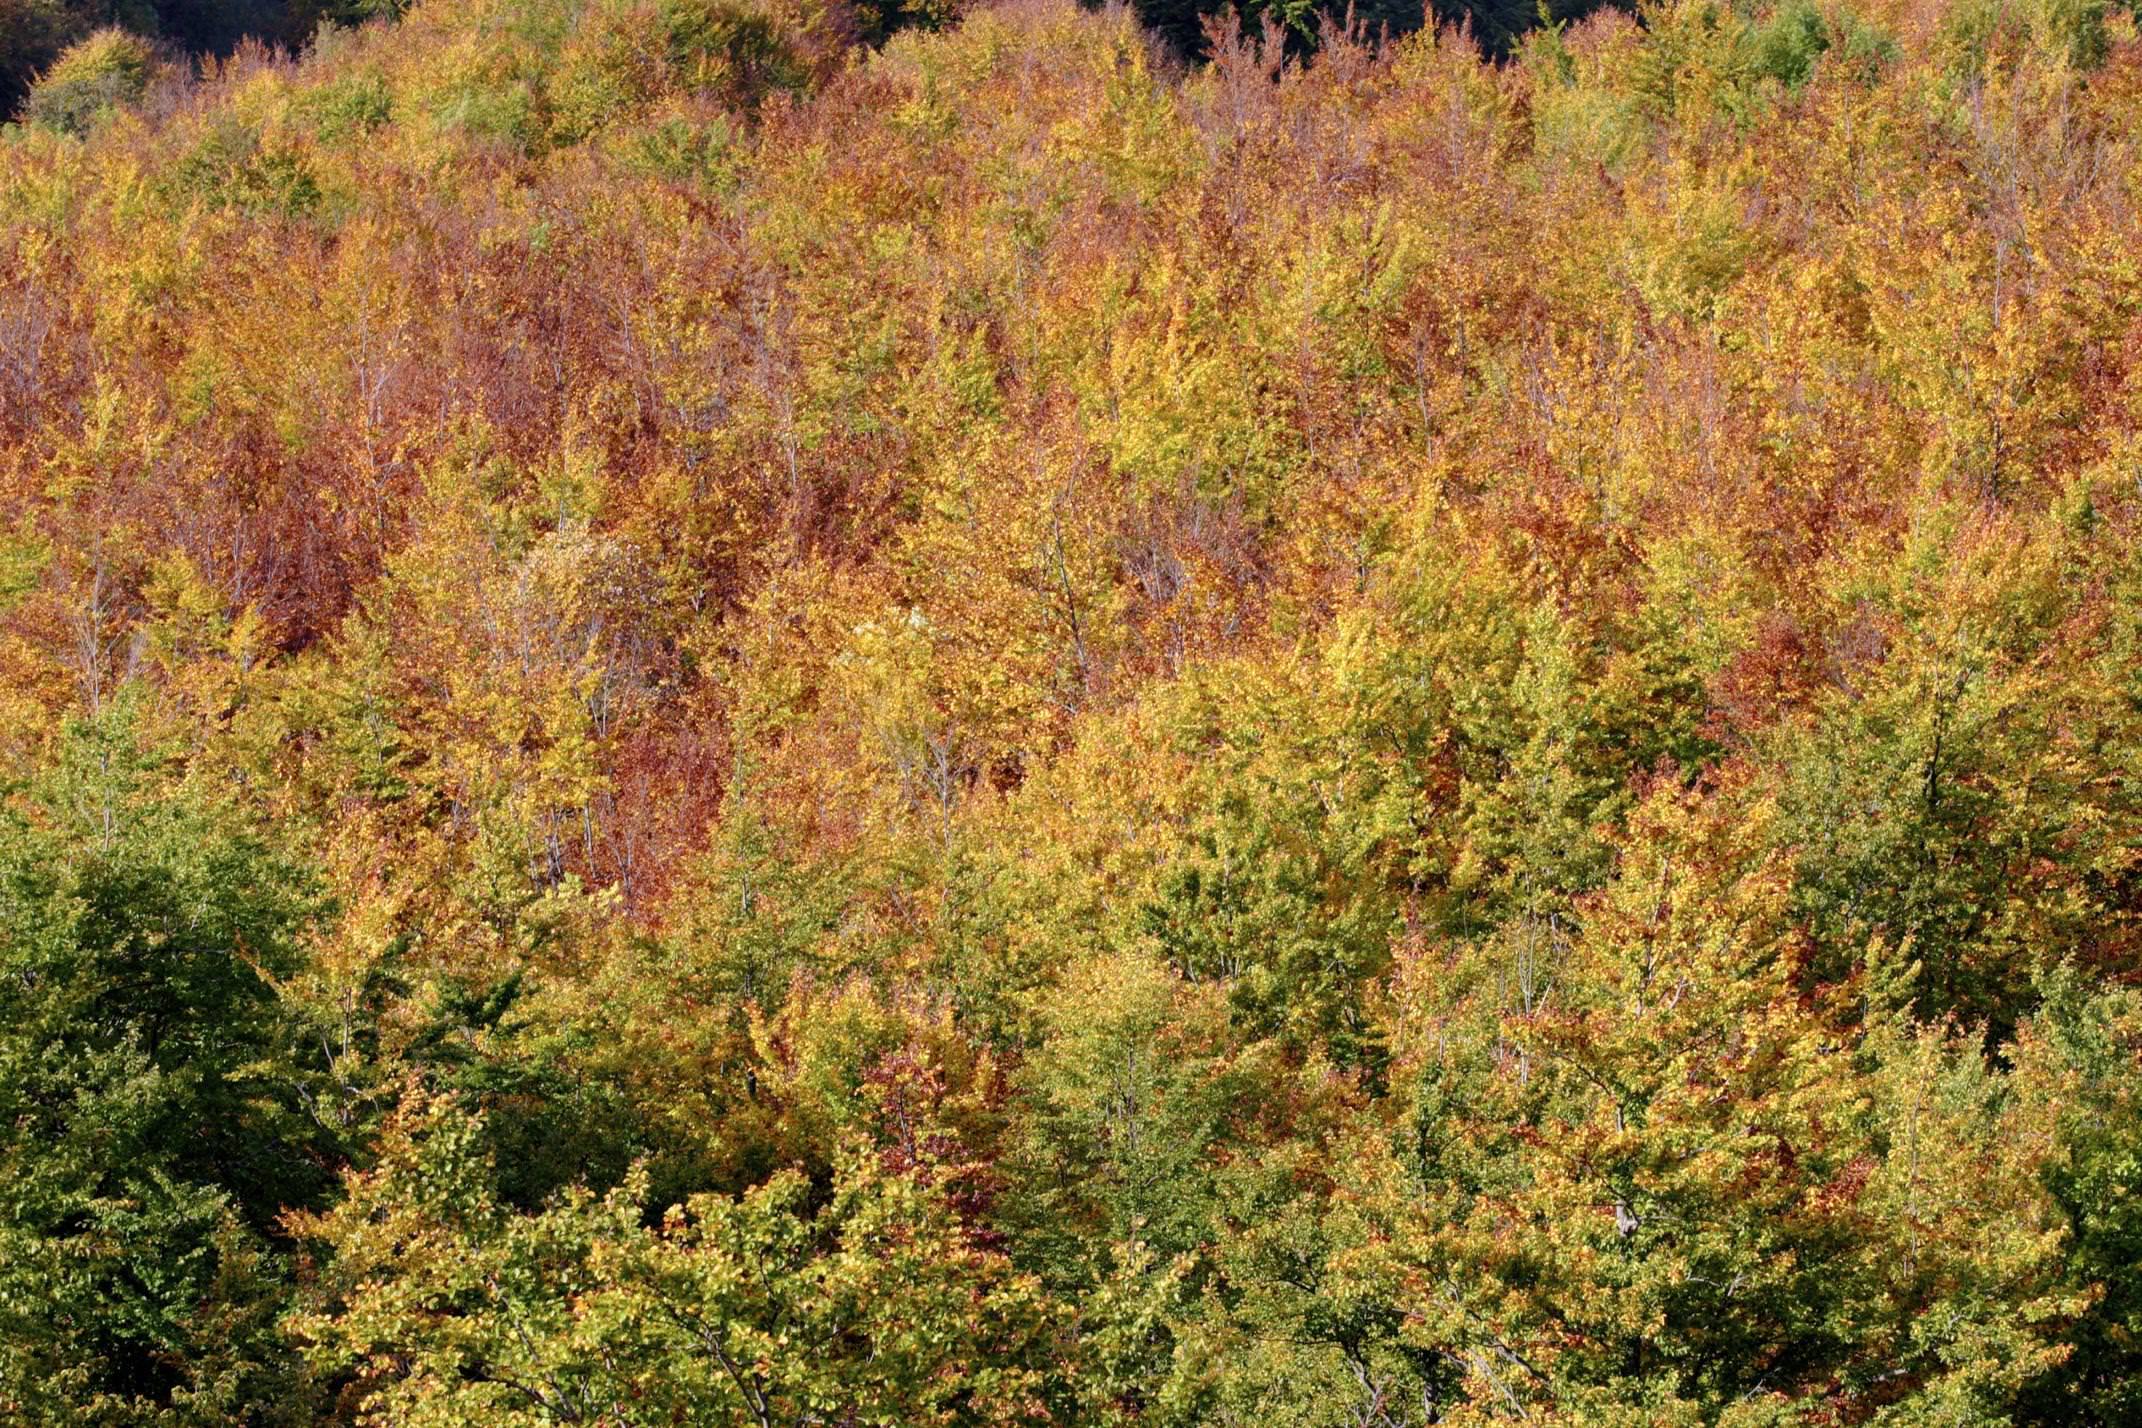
786	711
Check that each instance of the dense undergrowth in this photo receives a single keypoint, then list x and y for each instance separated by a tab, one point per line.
706	724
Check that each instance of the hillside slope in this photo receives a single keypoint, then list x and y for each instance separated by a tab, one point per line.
702	725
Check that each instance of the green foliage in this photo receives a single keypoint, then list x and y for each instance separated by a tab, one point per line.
680	150
2083	1053
625	56
871	1304
349	108
1977	35
233	166
1788	44
153	1091
107	70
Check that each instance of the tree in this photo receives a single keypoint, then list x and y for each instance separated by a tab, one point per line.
869	1304
152	1125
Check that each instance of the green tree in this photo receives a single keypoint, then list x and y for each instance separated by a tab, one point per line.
152	1121
2079	1065
871	1303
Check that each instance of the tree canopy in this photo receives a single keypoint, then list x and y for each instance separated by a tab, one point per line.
777	711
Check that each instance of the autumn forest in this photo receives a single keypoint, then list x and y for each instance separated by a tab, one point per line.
790	712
